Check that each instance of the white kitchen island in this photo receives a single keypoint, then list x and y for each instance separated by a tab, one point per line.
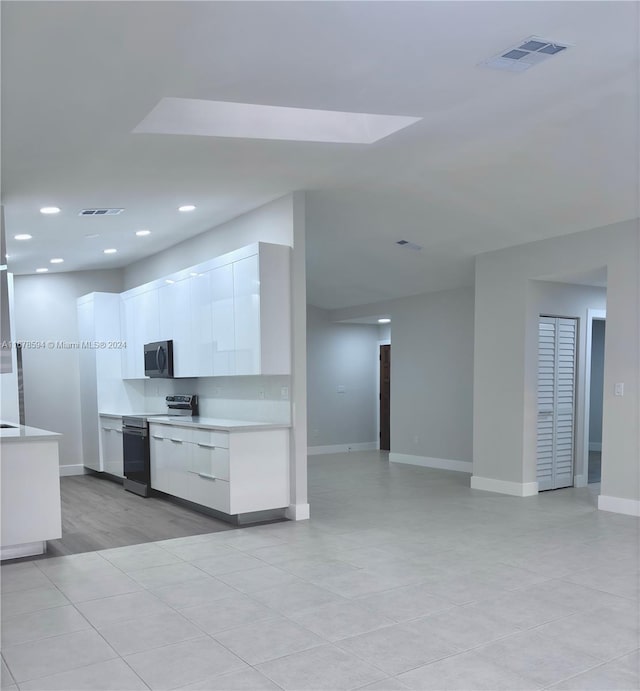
30	490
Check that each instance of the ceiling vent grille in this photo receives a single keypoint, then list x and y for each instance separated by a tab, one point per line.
100	212
529	52
408	245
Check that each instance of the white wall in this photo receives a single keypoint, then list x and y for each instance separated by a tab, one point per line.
597	382
572	301
432	375
342	355
260	399
46	310
505	361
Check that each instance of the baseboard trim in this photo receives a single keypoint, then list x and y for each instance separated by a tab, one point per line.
595	446
297	512
580	481
341	448
629	507
74	469
27	549
514	489
427	462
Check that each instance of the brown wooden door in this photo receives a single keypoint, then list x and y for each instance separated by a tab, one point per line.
385	397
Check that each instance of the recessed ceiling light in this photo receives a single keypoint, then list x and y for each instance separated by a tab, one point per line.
168	280
91	236
56	260
42	271
22	236
142	233
191	116
194	273
111	250
49	210
384	320
187	207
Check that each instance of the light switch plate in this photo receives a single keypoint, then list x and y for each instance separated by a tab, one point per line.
341	388
619	389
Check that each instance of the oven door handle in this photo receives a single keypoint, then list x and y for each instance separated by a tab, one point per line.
134	432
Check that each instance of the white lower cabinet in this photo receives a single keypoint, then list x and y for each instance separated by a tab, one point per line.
111	446
238	471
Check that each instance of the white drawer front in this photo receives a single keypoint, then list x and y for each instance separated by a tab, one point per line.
210	437
210	460
209	492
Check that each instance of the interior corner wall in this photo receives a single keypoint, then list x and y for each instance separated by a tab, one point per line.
46	310
432	375
505	358
346	356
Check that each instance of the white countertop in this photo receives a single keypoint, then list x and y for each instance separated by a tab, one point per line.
119	416
23	433
218	423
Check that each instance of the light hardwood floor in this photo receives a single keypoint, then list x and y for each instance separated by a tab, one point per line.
99	514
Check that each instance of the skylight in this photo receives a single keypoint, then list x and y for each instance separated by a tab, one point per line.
250	121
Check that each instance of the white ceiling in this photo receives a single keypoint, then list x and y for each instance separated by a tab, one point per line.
498	158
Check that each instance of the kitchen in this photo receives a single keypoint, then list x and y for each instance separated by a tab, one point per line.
263	398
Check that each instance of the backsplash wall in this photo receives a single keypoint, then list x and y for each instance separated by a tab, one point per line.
263	399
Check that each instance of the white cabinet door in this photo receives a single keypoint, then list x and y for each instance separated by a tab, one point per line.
201	299
141	324
111	443
129	336
149	316
175	324
169	456
246	310
222	320
159	455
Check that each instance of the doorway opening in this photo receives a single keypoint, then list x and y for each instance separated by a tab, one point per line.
594	392
385	397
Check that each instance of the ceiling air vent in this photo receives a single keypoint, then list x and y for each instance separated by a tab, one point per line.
529	52
100	212
408	245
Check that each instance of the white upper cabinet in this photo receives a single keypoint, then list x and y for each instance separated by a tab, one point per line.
246	315
200	302
262	286
175	321
227	316
140	325
222	321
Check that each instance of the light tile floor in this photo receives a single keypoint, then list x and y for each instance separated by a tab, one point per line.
404	578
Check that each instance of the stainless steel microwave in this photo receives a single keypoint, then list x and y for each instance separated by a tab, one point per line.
158	359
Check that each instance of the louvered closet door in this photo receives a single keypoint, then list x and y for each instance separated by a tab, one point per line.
556	401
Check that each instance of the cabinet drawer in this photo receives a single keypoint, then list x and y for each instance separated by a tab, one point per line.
210	460
210	437
208	492
180	435
107	423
